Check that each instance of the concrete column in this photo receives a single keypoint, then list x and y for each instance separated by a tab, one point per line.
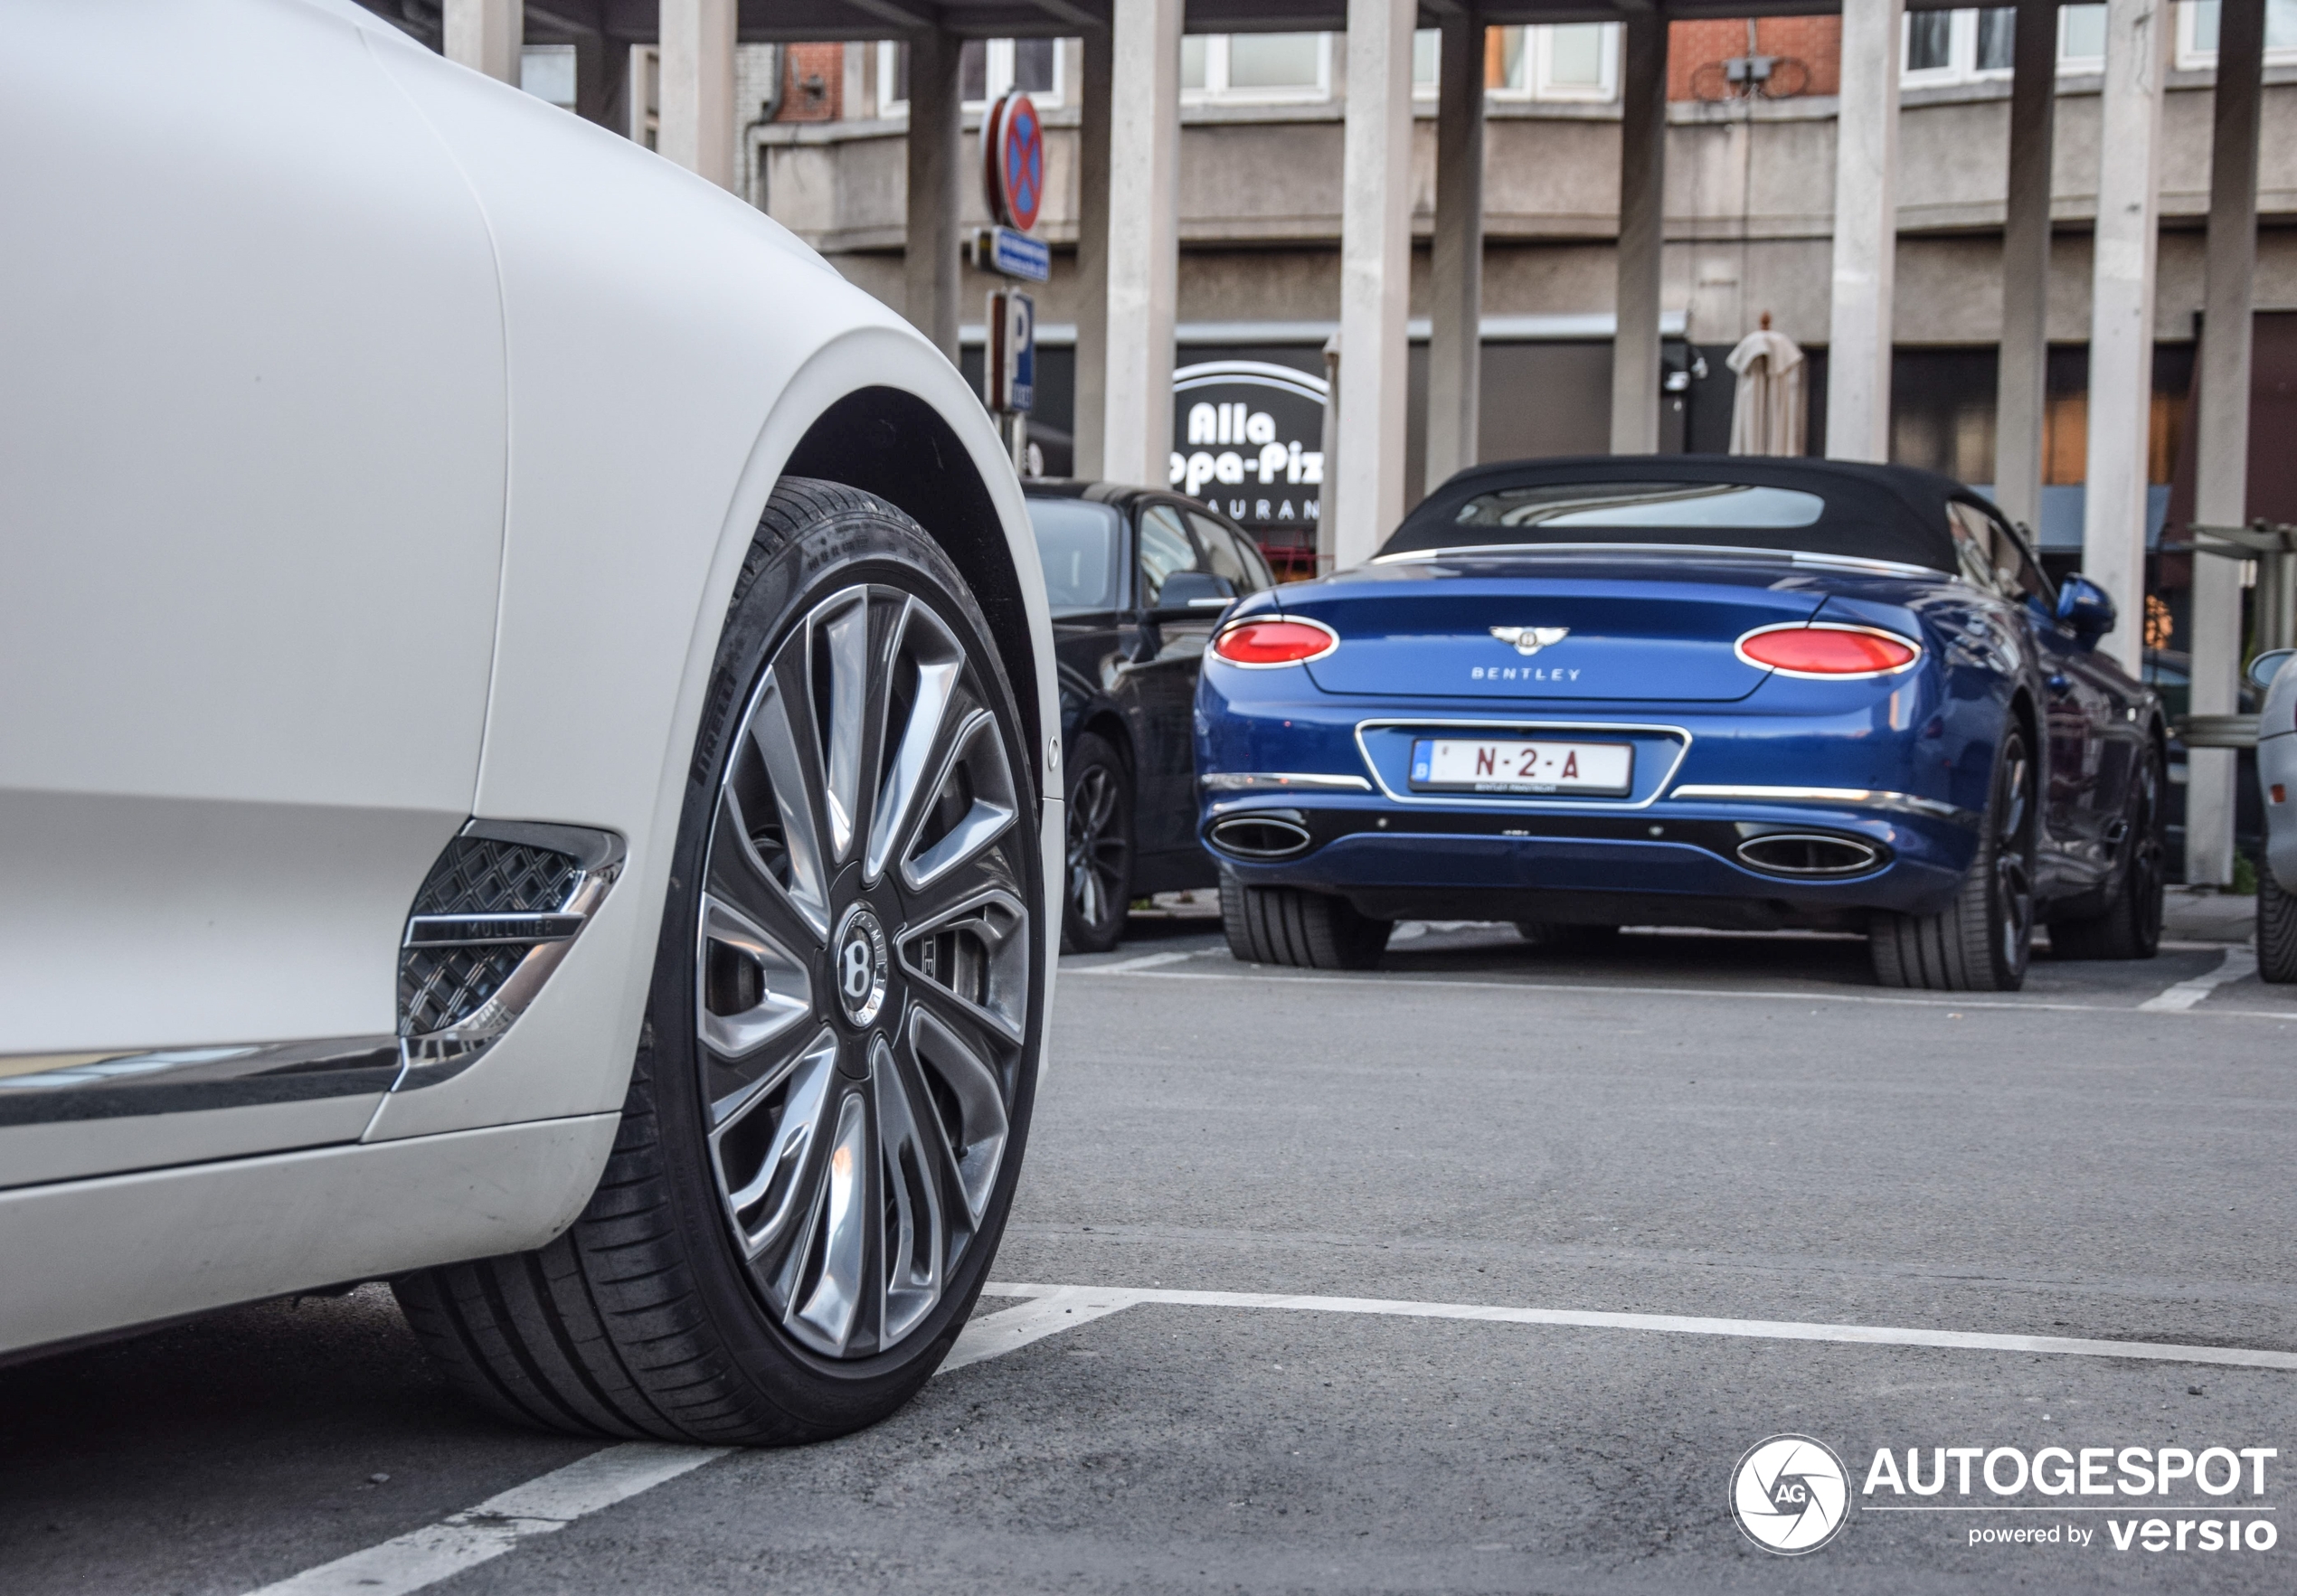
485	35
696	128
1090	415
2023	381
2137	54
2221	479
936	144
1376	277
1144	240
1455	346
1866	231
1642	183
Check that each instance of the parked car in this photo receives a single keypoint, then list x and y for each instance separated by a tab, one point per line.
1580	693
449	544
1136	580
2275	673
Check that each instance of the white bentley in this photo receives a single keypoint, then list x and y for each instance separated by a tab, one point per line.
524	705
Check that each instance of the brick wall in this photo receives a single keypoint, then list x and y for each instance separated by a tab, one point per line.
813	83
1814	40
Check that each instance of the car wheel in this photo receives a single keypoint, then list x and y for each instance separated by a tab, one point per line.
1285	925
1567	939
2276	929
2130	927
1982	940
1100	855
833	1090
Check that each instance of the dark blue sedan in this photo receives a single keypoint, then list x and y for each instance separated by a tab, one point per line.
1687	690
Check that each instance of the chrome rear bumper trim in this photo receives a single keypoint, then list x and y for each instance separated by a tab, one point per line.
1857	798
1279	781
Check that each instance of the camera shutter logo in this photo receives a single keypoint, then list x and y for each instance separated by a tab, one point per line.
1789	1494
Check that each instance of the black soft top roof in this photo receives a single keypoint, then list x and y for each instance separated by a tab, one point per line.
1894	513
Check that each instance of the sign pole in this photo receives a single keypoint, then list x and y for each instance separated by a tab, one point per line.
1012	180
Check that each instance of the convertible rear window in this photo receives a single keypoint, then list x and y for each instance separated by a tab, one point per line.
1836	509
1077	546
1591	512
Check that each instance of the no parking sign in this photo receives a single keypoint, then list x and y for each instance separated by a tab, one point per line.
1013	153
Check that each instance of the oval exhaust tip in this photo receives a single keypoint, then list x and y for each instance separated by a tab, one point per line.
1800	853
1260	836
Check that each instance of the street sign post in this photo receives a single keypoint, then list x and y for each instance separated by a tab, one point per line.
1013	181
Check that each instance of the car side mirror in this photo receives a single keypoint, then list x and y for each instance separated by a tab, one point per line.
2268	666
1196	590
2084	609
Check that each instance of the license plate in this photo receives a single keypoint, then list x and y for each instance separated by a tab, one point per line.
1462	764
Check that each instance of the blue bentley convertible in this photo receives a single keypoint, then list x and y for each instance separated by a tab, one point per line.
1752	694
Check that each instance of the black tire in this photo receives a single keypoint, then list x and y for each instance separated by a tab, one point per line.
1310	931
2131	927
649	1317
1981	942
1098	891
1567	938
2276	929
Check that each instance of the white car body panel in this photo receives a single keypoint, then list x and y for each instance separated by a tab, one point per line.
602	364
258	1227
225	346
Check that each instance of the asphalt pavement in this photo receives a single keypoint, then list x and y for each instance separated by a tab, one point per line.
1740	1191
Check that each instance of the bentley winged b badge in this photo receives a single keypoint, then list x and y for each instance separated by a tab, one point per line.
1530	640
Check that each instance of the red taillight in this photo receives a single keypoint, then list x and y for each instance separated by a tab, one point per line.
1274	642
1829	650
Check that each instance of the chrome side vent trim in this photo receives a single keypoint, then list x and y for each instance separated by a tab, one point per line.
1266	833
1794	853
493	920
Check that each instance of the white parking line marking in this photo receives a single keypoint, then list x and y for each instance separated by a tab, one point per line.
481	1534
2155	1006
2237	962
1679	1324
1125	967
1047	1313
551	1501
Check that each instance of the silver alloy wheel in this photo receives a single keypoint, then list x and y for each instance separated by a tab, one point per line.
2013	875
1096	854
863	971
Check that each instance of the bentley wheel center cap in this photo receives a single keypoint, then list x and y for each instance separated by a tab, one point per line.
860	965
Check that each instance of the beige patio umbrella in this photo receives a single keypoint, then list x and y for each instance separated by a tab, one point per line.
1766	406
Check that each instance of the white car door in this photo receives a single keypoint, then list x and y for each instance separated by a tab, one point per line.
252	496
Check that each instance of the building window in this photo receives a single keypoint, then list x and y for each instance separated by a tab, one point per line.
1556	60
1957	47
985	67
1970	47
1256	66
1996	38
2197	33
1930	43
2081	38
546	71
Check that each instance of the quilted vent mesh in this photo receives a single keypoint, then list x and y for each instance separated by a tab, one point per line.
438	986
